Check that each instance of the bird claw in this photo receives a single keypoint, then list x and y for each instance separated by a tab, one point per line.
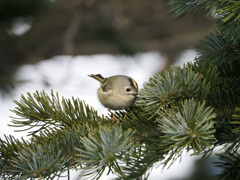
113	116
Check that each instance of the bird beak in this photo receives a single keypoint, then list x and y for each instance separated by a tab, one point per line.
135	94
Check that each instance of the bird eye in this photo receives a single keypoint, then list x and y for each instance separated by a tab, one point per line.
128	89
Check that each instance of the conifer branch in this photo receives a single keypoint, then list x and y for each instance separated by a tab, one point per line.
220	51
105	148
186	7
169	88
43	111
229	163
190	127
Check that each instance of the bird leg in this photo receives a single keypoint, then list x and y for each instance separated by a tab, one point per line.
113	116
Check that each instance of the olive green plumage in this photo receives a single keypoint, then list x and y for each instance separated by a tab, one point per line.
116	92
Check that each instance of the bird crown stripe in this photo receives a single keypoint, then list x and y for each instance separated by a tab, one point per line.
134	83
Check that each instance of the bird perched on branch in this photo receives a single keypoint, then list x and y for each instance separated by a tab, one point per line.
116	92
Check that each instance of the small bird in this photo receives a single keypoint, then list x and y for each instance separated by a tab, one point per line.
116	92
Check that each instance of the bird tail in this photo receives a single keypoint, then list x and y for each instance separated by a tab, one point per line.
97	77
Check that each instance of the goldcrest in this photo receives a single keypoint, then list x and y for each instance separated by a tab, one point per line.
116	92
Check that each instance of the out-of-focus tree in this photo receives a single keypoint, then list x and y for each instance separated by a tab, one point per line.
31	31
